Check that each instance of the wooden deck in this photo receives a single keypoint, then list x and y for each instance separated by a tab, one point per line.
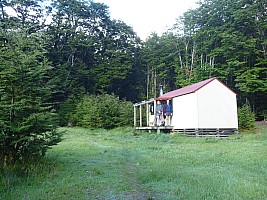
191	132
157	128
154	128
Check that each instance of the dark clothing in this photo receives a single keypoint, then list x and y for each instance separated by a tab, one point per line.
168	109
152	109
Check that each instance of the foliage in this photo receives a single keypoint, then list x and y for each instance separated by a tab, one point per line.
90	52
67	109
160	59
27	122
246	118
220	38
94	54
230	39
103	111
117	59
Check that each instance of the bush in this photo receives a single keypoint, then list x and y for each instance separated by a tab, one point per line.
29	140
246	118
102	111
66	110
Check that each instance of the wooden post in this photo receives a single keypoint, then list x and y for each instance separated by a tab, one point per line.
134	116
155	113
147	114
140	115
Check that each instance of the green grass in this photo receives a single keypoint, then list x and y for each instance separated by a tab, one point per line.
127	164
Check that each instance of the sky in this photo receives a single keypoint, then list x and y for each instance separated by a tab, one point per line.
147	16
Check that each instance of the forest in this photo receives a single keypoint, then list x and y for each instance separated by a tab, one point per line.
54	54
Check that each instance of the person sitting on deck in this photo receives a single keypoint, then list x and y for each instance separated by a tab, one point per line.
168	112
159	113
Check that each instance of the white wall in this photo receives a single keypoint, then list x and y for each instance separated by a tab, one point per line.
185	114
217	106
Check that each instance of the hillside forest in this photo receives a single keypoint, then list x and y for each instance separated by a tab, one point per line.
56	54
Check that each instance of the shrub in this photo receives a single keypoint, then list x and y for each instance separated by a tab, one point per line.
246	117
102	111
29	140
66	110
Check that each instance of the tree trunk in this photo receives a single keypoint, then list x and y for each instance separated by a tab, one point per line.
192	56
147	84
155	84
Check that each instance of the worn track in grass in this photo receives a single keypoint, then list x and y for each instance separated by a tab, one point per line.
126	164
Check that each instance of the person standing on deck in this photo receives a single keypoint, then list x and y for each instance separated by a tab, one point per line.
168	112
159	113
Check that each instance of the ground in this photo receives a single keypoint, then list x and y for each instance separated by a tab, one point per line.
129	164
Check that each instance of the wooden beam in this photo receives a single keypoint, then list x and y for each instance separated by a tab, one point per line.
155	114
147	114
134	116
144	102
140	109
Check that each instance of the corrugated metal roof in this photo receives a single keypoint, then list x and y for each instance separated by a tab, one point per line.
185	90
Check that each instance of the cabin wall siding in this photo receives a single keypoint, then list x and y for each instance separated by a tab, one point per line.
185	114
216	106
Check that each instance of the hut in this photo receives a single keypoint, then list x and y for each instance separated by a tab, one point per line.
205	107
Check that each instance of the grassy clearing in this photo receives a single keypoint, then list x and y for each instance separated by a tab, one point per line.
126	164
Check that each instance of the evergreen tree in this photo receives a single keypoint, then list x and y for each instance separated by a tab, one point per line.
27	123
103	111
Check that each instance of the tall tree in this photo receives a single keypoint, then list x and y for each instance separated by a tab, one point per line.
27	124
91	53
230	43
161	59
117	55
71	45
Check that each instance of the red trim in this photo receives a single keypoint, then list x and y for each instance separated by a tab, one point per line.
225	86
189	89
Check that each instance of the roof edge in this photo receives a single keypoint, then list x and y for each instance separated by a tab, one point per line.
225	86
211	79
169	98
194	90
